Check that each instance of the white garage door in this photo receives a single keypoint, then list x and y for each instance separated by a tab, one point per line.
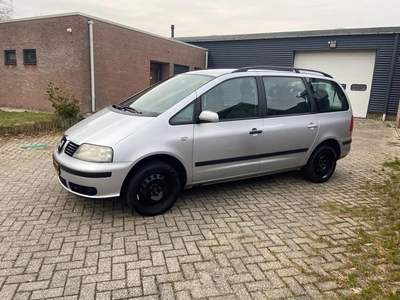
352	68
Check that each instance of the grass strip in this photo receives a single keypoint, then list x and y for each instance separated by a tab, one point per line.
10	118
373	271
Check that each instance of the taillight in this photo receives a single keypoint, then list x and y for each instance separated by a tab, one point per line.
351	124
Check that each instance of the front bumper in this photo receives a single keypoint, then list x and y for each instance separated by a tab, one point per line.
89	179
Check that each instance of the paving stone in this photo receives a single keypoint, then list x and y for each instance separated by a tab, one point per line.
72	286
326	286
8	291
133	278
149	285
294	286
110	285
34	285
47	293
261	238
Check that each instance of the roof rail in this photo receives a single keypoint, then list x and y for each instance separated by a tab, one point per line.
297	70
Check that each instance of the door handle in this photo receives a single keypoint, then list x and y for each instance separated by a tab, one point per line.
312	125
255	131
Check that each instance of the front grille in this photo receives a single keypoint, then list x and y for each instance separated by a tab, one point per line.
62	144
71	148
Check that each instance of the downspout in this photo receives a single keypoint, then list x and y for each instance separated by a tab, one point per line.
92	90
391	74
206	64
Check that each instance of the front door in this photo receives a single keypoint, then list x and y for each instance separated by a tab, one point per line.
155	72
153	76
231	147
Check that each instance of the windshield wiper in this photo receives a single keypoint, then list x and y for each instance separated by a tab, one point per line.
131	109
127	108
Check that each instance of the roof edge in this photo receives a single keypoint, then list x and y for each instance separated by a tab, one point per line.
293	34
174	40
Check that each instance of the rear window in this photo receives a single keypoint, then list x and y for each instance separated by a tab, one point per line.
328	96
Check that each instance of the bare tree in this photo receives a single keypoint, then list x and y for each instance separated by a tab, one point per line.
6	9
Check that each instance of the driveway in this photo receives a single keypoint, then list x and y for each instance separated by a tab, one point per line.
264	238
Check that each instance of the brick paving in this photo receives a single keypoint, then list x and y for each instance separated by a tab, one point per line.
264	238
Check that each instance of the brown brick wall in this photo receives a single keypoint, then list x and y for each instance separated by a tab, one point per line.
61	56
122	60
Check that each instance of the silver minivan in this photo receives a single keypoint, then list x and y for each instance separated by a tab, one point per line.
203	127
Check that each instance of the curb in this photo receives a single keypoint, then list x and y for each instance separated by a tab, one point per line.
38	127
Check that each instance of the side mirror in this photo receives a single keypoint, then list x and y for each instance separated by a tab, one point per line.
209	116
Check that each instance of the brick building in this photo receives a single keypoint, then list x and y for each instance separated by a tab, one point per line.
57	48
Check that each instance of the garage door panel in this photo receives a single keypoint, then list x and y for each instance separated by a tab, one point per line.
348	67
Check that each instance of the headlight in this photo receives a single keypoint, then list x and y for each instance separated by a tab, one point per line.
94	153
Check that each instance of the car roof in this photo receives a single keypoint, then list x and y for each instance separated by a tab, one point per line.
278	71
213	72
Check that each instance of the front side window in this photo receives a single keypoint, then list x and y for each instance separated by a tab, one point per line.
10	57
286	96
164	95
233	99
328	96
30	57
185	116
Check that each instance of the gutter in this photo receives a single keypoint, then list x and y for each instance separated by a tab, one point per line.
92	88
391	74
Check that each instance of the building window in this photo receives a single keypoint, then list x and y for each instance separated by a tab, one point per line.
30	57
178	69
358	87
10	57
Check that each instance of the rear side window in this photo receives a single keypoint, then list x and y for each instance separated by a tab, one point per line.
328	96
286	96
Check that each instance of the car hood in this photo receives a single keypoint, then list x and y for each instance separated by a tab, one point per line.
106	128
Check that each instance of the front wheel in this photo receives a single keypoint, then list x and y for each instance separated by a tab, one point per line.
321	164
153	189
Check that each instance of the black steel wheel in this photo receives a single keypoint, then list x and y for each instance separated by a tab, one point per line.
153	189
321	164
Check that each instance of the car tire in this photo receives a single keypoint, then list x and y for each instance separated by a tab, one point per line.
153	189
321	164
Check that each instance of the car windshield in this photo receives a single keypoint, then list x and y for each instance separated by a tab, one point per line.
163	96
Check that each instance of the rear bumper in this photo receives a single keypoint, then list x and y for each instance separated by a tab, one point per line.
345	149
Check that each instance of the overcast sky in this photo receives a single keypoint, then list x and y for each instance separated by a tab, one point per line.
219	17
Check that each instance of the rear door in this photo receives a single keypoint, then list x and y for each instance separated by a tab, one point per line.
231	147
291	125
